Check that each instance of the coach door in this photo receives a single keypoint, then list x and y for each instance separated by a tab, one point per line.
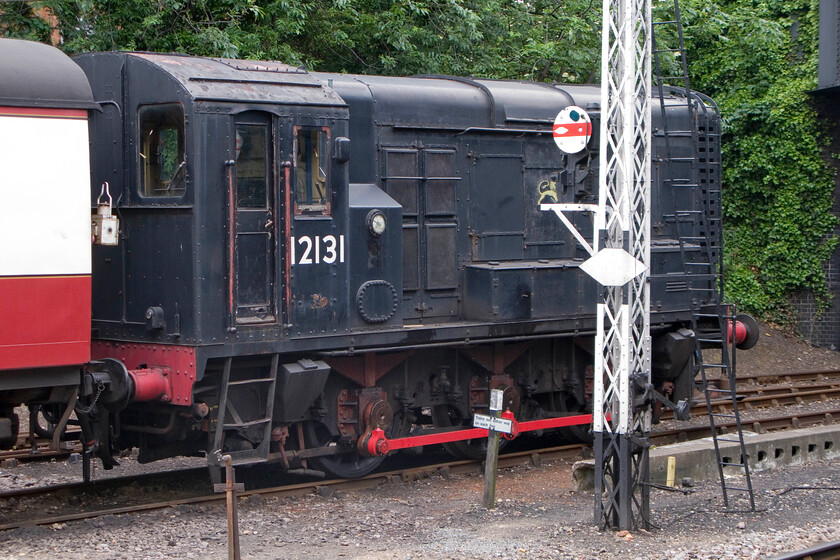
255	230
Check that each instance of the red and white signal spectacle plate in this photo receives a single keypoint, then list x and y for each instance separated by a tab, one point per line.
572	129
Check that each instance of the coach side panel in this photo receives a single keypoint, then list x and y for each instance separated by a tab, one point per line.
45	286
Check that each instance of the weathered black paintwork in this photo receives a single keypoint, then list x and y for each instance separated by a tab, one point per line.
475	258
470	286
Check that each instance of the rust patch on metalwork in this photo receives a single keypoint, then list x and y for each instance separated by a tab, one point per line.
319	301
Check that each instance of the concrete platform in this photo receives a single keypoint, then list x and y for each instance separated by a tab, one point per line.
696	459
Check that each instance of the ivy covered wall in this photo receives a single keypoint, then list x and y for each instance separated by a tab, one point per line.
758	59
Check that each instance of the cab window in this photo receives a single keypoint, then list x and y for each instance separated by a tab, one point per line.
311	164
161	150
252	165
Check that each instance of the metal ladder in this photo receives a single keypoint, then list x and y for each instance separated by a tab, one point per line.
692	162
230	420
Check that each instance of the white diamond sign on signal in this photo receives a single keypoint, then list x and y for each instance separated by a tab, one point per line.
572	129
613	267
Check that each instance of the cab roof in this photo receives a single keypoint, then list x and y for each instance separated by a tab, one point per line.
228	80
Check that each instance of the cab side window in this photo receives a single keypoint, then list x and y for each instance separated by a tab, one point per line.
311	164
161	157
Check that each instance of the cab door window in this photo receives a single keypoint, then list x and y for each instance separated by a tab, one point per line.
312	194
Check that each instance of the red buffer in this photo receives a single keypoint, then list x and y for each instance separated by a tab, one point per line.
744	331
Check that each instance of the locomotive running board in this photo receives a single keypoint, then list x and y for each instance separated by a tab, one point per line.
376	444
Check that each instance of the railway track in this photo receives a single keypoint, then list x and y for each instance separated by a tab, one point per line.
758	390
287	490
799	419
40	451
796	377
762	396
824	551
197	493
29	448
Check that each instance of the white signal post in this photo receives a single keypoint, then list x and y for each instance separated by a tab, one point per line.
622	223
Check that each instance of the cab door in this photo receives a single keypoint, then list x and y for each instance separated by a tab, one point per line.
255	223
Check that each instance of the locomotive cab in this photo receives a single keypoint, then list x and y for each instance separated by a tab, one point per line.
241	238
234	200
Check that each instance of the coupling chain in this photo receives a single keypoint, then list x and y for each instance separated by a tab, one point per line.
100	388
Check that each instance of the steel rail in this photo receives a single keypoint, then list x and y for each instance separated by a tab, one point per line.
764	397
823	551
784	390
798	376
776	423
98	485
24	450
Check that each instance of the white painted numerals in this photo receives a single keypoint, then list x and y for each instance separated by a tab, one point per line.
316	250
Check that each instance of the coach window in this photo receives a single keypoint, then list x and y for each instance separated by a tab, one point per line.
162	167
311	163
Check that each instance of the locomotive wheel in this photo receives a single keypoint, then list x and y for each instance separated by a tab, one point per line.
447	416
345	465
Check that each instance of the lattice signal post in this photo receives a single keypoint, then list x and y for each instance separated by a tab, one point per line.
622	359
621	419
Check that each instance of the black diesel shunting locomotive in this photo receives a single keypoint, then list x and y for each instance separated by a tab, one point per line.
306	257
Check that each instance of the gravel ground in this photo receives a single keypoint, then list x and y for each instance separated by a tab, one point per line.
538	514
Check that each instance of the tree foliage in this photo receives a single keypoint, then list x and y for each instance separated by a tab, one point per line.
757	58
498	38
